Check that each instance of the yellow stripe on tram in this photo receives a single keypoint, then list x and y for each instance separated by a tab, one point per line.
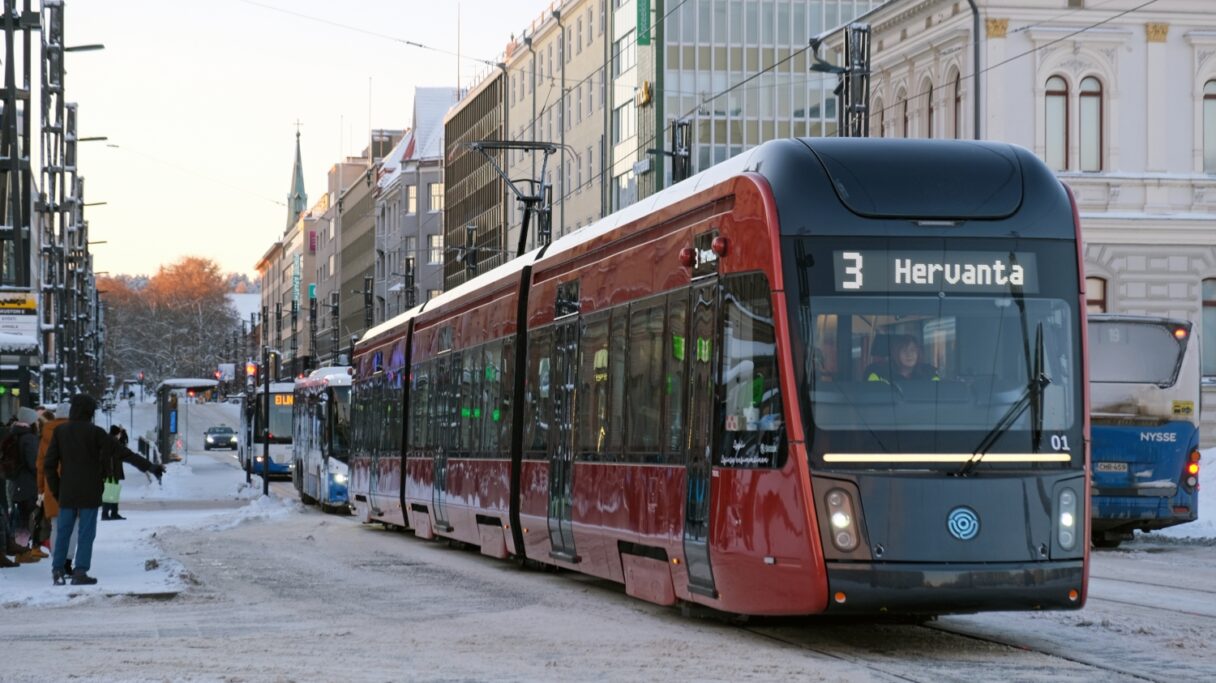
945	457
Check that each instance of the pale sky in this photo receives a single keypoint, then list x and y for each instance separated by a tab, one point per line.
199	101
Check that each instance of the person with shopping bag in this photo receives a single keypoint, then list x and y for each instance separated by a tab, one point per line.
113	486
81	456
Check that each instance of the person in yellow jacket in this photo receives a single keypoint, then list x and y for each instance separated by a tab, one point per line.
903	364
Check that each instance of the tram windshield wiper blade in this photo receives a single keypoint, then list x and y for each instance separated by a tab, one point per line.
1031	397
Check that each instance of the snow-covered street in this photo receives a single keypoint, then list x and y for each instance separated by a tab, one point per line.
208	580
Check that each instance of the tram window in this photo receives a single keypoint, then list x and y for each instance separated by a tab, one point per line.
506	408
456	441
617	347
982	351
470	409
674	387
753	416
537	398
419	397
593	401
491	390
645	380
437	413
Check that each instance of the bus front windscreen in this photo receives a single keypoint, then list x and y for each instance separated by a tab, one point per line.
940	350
281	406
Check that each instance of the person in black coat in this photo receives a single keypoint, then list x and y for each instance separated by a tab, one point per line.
80	457
25	483
110	510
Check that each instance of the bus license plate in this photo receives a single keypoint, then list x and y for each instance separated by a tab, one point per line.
1112	467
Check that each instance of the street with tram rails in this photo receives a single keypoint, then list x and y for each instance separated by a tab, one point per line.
208	580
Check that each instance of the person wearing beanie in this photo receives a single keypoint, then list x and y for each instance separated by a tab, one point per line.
81	456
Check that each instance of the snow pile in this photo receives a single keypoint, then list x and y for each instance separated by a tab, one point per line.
194	479
262	508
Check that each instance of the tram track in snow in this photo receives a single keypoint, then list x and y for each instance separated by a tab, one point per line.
932	667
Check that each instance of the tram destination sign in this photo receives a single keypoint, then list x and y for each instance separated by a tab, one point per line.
877	270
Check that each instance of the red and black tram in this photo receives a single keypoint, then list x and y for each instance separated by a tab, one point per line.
827	375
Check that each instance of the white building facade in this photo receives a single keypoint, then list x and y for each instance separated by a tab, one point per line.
1120	99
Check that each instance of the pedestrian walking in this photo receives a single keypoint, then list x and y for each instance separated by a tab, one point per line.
79	458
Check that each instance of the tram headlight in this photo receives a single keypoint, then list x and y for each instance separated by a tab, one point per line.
1066	510
842	519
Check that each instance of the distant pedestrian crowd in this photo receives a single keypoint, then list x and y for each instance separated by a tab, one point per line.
56	474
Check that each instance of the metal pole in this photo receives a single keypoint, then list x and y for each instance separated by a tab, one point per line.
266	423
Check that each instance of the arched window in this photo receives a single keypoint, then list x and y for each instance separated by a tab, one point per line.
1095	294
903	115
929	110
1090	124
1209	328
958	106
1056	124
876	118
1209	127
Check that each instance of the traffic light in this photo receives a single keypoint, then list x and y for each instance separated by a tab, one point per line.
190	393
218	375
141	375
251	369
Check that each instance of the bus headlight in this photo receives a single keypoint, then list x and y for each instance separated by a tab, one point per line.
339	478
1066	510
842	520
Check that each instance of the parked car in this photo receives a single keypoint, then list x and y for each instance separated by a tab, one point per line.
219	436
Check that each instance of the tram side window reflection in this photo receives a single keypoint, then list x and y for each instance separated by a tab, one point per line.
593	403
753	416
645	381
537	392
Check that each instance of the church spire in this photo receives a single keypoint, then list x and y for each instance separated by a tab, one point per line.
297	198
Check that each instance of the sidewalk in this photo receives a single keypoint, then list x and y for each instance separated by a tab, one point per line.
208	492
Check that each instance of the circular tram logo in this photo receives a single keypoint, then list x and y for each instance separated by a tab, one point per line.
963	523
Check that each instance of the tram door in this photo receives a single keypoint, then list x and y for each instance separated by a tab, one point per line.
699	458
561	454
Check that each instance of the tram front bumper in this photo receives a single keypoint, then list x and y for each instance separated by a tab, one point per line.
941	588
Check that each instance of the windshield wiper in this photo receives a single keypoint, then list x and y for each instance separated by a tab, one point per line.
1031	397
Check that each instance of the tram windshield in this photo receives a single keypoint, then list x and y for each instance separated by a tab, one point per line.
941	351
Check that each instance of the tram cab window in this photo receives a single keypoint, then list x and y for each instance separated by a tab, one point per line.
976	359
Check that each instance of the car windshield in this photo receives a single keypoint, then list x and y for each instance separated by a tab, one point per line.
220	430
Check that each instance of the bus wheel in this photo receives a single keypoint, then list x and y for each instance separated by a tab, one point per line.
1106	541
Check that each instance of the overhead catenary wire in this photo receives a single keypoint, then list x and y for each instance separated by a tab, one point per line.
755	75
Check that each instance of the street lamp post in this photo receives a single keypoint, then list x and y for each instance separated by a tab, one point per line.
266	422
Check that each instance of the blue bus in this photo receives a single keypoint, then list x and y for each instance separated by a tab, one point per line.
253	416
321	444
1144	408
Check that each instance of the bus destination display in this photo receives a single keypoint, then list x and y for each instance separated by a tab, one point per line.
875	270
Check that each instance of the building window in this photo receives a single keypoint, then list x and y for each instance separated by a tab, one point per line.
590	167
1090	115
578	102
1056	124
411	199
1095	294
432	293
590	25
903	115
623	55
578	44
1209	127
1208	337
958	106
603	16
624	122
436	197
436	249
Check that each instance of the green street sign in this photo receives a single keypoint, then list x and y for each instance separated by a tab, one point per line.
643	22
